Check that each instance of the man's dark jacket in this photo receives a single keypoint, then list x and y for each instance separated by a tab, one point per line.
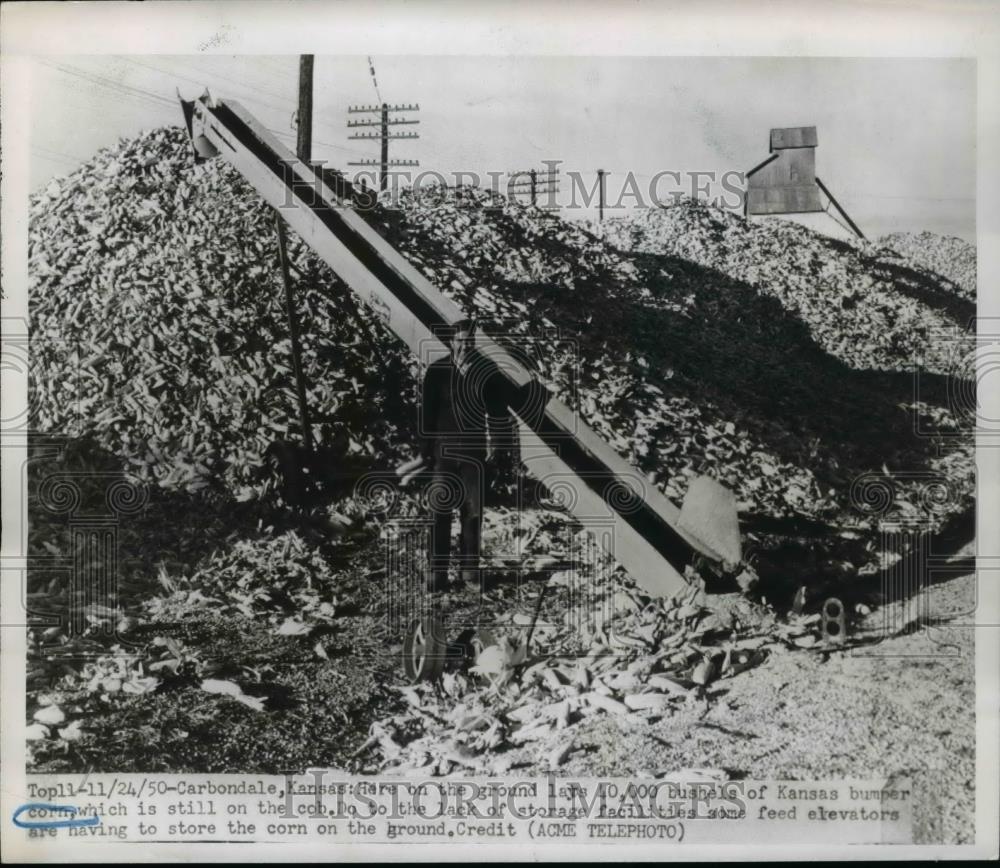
463	414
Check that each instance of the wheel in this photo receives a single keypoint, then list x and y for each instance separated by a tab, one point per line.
424	650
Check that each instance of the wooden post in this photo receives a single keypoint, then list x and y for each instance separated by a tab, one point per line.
293	331
600	184
534	185
304	144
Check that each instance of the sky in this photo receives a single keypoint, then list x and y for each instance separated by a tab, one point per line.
897	137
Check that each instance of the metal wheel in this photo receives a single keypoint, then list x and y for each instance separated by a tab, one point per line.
424	650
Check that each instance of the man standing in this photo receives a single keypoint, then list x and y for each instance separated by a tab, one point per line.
464	421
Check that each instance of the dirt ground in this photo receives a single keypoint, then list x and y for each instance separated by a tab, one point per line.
903	707
897	701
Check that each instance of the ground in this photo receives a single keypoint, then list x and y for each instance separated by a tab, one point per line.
245	627
315	667
902	707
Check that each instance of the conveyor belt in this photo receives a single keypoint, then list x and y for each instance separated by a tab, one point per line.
647	533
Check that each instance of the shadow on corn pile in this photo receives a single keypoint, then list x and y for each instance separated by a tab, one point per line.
822	560
217	637
680	366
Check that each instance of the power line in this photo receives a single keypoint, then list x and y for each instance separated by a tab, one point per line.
65	159
158	101
107	83
201	82
115	87
253	86
56	153
244	94
351	151
249	99
276	65
371	69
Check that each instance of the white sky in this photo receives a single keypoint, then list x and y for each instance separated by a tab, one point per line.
896	136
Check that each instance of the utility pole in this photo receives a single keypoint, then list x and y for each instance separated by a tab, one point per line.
600	183
303	149
534	182
385	120
305	113
384	168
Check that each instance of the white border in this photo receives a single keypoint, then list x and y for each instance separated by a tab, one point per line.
933	28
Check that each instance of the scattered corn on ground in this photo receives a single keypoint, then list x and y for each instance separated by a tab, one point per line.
774	359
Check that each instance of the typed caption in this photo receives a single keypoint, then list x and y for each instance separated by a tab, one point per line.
326	806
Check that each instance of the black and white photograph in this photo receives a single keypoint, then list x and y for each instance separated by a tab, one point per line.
602	423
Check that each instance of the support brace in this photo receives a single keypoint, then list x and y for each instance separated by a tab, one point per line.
842	212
